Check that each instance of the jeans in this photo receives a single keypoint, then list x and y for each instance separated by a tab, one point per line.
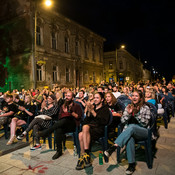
128	137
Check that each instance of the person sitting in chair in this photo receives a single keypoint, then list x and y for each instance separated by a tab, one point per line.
8	109
93	128
136	119
69	117
20	118
42	121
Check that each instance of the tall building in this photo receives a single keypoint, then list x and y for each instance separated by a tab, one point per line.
56	51
120	65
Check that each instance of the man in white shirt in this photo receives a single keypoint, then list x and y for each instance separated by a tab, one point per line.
115	92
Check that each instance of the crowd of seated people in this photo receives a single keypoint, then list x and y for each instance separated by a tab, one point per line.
92	107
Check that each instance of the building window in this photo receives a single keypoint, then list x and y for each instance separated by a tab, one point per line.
67	74
66	41
101	76
100	57
85	50
76	47
39	73
86	76
120	65
93	77
93	54
55	74
110	65
38	35
53	40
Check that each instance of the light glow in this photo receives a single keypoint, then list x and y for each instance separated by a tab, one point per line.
48	3
122	46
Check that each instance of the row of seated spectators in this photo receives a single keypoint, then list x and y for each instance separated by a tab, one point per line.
69	108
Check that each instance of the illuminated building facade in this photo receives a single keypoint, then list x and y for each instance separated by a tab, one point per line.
120	65
67	53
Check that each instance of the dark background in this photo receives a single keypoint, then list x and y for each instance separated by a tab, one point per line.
146	27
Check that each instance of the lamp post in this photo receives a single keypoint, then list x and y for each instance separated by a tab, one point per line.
123	46
47	3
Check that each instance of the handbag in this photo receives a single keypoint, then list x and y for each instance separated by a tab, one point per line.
44	117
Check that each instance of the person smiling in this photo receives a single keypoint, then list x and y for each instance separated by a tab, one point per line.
136	119
97	116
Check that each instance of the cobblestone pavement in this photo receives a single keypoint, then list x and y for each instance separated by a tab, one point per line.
26	162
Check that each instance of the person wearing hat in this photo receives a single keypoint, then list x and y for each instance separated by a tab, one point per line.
42	121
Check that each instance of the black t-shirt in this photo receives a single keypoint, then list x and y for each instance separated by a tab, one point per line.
115	108
23	115
2	104
172	91
10	107
19	103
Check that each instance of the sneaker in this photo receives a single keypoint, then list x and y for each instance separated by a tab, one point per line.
36	147
20	137
131	168
109	151
80	163
57	155
11	140
87	160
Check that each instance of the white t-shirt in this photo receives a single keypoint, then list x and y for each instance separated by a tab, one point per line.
116	94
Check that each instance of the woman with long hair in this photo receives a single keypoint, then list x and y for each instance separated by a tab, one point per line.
116	109
136	119
20	118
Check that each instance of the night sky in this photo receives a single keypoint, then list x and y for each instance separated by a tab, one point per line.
146	27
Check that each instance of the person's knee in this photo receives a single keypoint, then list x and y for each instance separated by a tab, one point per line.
131	128
86	128
35	128
14	120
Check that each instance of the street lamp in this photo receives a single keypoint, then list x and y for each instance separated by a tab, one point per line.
47	3
123	46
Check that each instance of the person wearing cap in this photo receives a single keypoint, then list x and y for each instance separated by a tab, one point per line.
42	121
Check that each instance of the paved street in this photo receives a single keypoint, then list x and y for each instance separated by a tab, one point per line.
26	162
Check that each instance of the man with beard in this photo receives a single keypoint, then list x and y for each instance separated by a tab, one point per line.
69	116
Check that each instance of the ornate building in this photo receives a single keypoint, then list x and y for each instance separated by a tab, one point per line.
120	65
66	53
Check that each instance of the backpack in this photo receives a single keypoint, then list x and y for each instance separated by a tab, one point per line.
124	99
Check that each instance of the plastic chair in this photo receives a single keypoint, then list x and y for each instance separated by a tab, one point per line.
6	128
103	140
75	137
147	145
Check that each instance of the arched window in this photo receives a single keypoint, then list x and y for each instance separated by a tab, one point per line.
39	32
67	74
85	50
38	35
76	47
54	41
66	43
120	64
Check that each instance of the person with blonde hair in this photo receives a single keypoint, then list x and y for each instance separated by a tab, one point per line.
59	98
20	118
150	96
